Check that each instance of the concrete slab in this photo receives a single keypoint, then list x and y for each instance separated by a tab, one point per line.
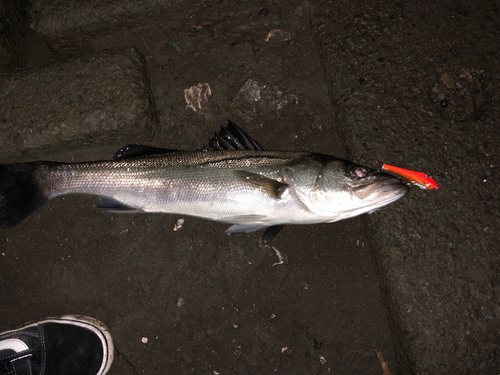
408	80
104	98
70	25
13	25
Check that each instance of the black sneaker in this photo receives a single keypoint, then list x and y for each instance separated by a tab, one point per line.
69	345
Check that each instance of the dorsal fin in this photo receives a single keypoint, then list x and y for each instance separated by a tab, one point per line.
232	137
134	151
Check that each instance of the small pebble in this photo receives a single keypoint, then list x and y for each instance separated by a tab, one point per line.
187	358
263	12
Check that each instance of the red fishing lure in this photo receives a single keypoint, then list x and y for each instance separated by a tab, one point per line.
419	179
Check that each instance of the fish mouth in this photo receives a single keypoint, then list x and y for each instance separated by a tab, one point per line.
386	188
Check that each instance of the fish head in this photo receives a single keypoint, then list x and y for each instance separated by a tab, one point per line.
339	189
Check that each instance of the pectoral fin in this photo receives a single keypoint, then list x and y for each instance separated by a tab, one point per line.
275	188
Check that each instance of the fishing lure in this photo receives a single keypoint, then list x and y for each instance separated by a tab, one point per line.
419	179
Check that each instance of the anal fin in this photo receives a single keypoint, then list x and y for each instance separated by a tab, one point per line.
112	205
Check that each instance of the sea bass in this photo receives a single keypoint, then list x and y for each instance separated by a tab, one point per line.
234	180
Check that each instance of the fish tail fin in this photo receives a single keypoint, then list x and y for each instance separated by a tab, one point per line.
20	194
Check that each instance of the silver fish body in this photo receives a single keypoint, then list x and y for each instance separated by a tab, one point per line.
251	189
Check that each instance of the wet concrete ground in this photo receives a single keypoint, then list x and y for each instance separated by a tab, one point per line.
410	82
414	84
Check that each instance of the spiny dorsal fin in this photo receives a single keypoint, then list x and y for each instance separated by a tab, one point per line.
134	151
232	137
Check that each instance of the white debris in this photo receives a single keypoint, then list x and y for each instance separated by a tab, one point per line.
322	360
250	92
144	340
178	225
283	349
254	99
280	257
196	94
278	35
180	302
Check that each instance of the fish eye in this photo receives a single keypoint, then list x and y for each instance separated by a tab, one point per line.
359	172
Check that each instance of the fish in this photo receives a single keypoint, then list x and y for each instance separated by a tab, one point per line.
233	179
422	180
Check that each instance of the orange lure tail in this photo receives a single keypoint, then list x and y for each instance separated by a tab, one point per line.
419	179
